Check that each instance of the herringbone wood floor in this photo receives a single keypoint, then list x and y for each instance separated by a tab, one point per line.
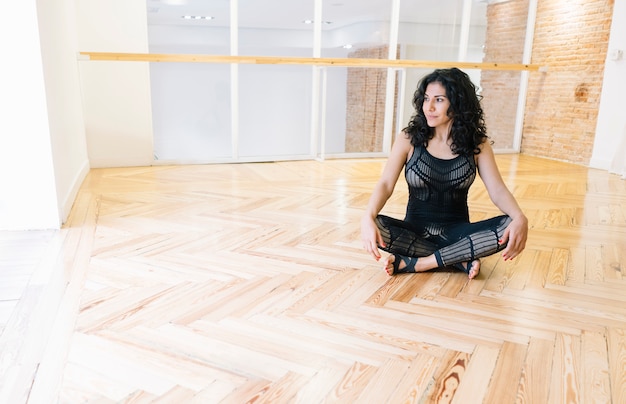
247	283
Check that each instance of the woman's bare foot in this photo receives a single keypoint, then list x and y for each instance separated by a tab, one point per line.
474	269
395	264
389	264
471	268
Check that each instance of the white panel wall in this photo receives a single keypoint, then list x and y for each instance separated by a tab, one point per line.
116	95
57	24
610	141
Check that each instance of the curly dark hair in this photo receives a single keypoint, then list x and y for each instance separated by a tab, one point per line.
468	130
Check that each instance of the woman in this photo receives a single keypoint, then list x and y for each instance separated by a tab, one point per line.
441	149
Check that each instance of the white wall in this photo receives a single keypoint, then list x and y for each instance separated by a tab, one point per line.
57	24
29	197
610	140
116	95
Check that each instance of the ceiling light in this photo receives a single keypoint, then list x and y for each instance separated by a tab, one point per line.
347	46
311	22
197	17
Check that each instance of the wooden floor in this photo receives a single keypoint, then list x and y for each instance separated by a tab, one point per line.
247	284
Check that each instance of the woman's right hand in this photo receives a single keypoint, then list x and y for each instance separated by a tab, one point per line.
371	237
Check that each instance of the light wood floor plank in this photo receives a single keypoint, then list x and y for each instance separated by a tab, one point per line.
566	372
594	368
534	383
617	363
507	373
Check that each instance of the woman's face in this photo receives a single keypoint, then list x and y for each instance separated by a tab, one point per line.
436	105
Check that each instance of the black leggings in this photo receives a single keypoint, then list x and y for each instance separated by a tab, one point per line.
451	244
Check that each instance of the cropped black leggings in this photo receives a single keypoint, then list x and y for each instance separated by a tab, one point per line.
450	244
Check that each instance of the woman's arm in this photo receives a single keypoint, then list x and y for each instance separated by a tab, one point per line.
382	192
517	231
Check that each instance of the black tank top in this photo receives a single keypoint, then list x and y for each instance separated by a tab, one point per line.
438	189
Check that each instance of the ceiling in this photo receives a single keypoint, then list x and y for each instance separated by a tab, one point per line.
290	14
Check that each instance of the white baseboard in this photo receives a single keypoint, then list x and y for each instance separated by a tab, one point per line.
68	201
601	164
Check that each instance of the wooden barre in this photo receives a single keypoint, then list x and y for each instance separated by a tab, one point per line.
280	60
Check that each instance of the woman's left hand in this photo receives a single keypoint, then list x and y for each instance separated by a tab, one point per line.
514	237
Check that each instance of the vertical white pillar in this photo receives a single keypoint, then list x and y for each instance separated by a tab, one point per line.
523	88
234	78
465	27
317	28
394	26
322	151
315	90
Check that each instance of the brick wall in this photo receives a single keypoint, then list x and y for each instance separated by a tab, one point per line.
365	115
571	39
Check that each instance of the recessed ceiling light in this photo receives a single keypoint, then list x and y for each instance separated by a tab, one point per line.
311	22
197	17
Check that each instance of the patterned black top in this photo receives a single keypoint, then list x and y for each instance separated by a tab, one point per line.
438	190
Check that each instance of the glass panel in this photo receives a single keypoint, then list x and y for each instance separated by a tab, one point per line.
500	91
355	110
275	27
504	43
355	104
191	26
191	111
275	100
430	30
191	106
505	31
477	32
365	116
335	111
353	28
274	110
